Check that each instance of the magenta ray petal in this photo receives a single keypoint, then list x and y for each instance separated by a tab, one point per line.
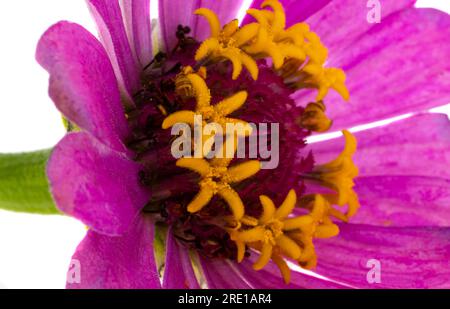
225	10
82	82
341	23
297	10
172	14
123	262
178	272
403	201
138	25
95	184
398	67
415	257
108	16
270	278
222	274
404	178
175	12
418	145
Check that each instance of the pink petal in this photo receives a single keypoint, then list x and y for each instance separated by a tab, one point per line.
415	257
225	10
403	201
82	82
404	178
124	262
296	10
181	12
418	145
108	16
399	66
138	25
342	23
178	273
226	274
221	274
270	278
95	184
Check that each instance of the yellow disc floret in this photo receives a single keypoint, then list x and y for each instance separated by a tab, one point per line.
193	84
224	43
338	175
217	178
276	234
297	53
314	119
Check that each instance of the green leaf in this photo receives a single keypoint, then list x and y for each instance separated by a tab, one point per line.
23	183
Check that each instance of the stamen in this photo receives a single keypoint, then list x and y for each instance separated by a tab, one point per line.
264	258
299	223
250	221
321	211
277	234
279	19
223	44
209	113
296	42
269	38
216	179
314	119
338	175
283	266
323	79
213	20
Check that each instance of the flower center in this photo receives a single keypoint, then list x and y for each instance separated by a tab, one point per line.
220	206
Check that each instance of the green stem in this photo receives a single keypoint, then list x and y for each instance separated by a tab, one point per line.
23	183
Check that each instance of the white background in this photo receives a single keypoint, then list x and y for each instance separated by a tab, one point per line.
35	250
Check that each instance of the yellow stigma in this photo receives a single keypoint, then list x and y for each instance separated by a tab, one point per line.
224	43
276	235
217	178
338	175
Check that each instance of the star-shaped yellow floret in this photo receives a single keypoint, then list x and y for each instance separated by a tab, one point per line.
217	178
300	35
225	43
270	40
338	175
210	113
321	211
295	43
271	234
325	79
267	37
276	234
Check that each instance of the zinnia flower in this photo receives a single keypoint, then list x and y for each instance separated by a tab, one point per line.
155	221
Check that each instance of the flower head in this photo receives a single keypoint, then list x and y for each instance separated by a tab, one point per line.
155	220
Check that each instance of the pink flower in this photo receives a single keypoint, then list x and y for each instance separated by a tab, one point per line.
116	173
